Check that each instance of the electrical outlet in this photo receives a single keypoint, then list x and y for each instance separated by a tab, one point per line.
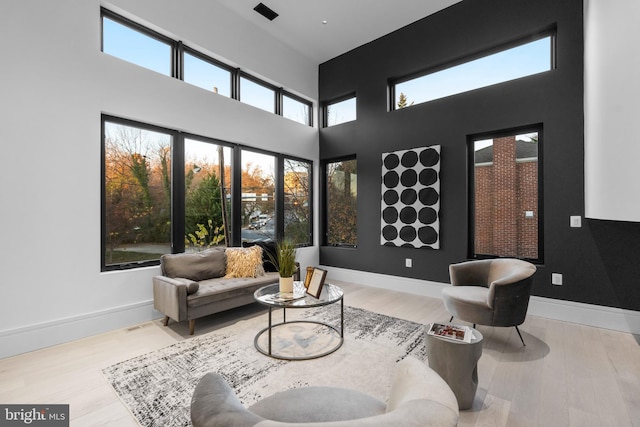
576	221
556	279
408	262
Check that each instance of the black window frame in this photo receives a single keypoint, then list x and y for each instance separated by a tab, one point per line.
277	103
538	35
325	198
103	195
281	167
471	139
309	104
178	48
175	59
201	56
328	103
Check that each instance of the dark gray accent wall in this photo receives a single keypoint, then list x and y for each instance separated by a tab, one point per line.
596	260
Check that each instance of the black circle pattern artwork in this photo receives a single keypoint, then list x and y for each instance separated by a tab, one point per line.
411	198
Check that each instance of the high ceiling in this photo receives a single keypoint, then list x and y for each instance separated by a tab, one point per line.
324	29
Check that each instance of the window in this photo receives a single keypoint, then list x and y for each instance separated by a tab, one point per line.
206	74
137	45
165	191
340	111
258	197
136	193
297	202
296	109
506	176
520	61
258	95
207	182
341	183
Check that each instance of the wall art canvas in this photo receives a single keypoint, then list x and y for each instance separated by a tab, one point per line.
410	211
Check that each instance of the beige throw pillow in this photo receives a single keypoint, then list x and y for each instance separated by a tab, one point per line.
244	262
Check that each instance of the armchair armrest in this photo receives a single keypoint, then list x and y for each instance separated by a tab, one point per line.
170	297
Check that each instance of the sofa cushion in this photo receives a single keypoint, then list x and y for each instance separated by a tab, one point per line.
311	404
198	266
244	262
216	290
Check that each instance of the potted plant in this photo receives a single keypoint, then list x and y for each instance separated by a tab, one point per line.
285	261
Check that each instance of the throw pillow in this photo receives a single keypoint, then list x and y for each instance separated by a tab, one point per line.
244	262
207	264
267	248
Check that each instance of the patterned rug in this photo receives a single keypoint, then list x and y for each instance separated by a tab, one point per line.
157	386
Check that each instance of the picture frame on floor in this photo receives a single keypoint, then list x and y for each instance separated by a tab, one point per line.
317	281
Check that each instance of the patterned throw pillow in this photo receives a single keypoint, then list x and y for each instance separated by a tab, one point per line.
244	262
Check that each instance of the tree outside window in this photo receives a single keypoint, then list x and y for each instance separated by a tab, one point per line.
342	195
137	190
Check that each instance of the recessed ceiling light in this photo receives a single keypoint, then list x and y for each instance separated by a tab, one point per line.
265	11
324	21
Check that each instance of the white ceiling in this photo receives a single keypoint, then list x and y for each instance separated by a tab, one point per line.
349	23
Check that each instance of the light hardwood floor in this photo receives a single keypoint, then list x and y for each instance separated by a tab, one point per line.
567	375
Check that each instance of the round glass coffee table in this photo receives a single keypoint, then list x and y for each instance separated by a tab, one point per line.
268	295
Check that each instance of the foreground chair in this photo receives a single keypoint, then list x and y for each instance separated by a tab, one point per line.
492	292
418	398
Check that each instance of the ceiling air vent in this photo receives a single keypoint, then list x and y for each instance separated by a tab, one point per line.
265	11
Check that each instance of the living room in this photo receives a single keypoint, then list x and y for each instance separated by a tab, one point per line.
57	85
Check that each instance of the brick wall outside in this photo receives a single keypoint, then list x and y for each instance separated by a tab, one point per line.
505	190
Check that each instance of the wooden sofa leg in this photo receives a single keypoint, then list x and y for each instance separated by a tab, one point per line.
192	326
165	322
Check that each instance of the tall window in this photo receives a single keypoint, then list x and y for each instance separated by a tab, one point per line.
137	45
506	195
341	182
520	61
207	181
136	193
297	201
340	111
258	196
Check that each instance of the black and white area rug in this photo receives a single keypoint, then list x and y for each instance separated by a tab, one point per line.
157	387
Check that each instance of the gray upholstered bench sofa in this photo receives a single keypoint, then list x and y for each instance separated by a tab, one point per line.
418	398
193	285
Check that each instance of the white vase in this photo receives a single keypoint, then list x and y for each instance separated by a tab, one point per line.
286	284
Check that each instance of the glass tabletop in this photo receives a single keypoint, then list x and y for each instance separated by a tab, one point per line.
270	295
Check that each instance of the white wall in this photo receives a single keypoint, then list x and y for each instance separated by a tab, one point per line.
612	109
54	85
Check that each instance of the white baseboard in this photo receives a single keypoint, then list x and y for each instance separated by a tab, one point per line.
568	311
41	335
